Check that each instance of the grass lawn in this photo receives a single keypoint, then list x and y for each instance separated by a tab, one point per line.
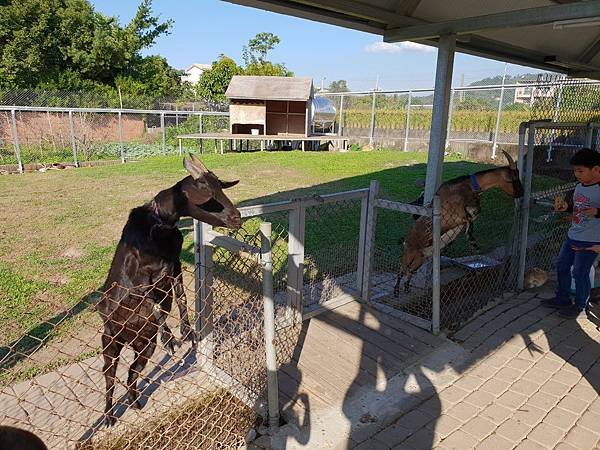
59	229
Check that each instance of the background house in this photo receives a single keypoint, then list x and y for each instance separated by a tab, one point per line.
194	72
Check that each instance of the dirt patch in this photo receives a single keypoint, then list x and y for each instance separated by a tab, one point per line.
71	253
59	279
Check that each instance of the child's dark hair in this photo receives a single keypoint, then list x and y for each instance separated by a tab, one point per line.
586	157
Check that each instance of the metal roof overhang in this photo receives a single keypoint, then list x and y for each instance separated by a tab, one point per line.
555	35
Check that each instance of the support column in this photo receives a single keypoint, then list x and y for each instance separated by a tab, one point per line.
439	119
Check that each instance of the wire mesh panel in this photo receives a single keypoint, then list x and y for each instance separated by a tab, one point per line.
205	395
547	229
400	276
44	137
552	177
7	149
249	233
96	135
357	115
419	112
479	257
331	251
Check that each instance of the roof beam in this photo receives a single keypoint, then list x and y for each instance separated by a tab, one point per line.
407	7
591	51
294	9
362	10
516	18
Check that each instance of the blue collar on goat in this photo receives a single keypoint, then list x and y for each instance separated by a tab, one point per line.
474	183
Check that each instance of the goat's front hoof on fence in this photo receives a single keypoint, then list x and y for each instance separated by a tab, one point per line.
188	335
171	343
109	420
135	404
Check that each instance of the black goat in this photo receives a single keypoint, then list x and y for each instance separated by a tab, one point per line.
145	273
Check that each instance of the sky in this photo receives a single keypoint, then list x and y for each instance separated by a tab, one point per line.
205	29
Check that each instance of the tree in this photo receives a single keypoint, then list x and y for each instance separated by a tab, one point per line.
258	47
338	86
268	69
255	57
66	44
213	82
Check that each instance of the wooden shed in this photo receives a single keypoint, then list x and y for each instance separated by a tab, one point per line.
270	105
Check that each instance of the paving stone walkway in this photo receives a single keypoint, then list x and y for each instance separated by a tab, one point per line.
530	381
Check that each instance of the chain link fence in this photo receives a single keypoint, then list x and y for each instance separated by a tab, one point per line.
484	119
33	138
208	396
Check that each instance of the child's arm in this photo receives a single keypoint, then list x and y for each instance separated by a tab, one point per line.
593	248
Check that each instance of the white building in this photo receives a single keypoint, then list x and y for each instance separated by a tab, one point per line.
529	94
194	72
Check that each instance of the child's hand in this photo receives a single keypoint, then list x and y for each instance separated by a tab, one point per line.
590	212
593	248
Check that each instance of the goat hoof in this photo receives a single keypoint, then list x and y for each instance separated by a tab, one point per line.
188	335
396	292
135	404
173	345
109	421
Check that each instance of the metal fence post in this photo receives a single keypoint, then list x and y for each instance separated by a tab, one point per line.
440	112
372	129
163	132
362	239
525	207
200	116
498	115
341	125
369	241
16	140
408	103
269	323
296	217
121	144
436	265
449	124
73	143
589	135
203	257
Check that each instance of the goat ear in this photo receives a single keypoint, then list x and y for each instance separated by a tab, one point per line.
192	169
511	161
198	163
228	184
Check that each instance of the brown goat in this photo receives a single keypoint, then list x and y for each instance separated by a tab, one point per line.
145	273
460	204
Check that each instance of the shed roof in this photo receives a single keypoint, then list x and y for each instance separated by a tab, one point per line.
269	88
557	35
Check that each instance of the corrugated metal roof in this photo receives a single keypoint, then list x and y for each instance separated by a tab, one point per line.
269	88
557	35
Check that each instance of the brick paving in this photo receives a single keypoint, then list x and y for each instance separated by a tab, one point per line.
531	382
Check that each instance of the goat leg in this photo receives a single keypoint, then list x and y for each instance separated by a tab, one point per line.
143	351
471	238
170	342
187	333
407	283
111	349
